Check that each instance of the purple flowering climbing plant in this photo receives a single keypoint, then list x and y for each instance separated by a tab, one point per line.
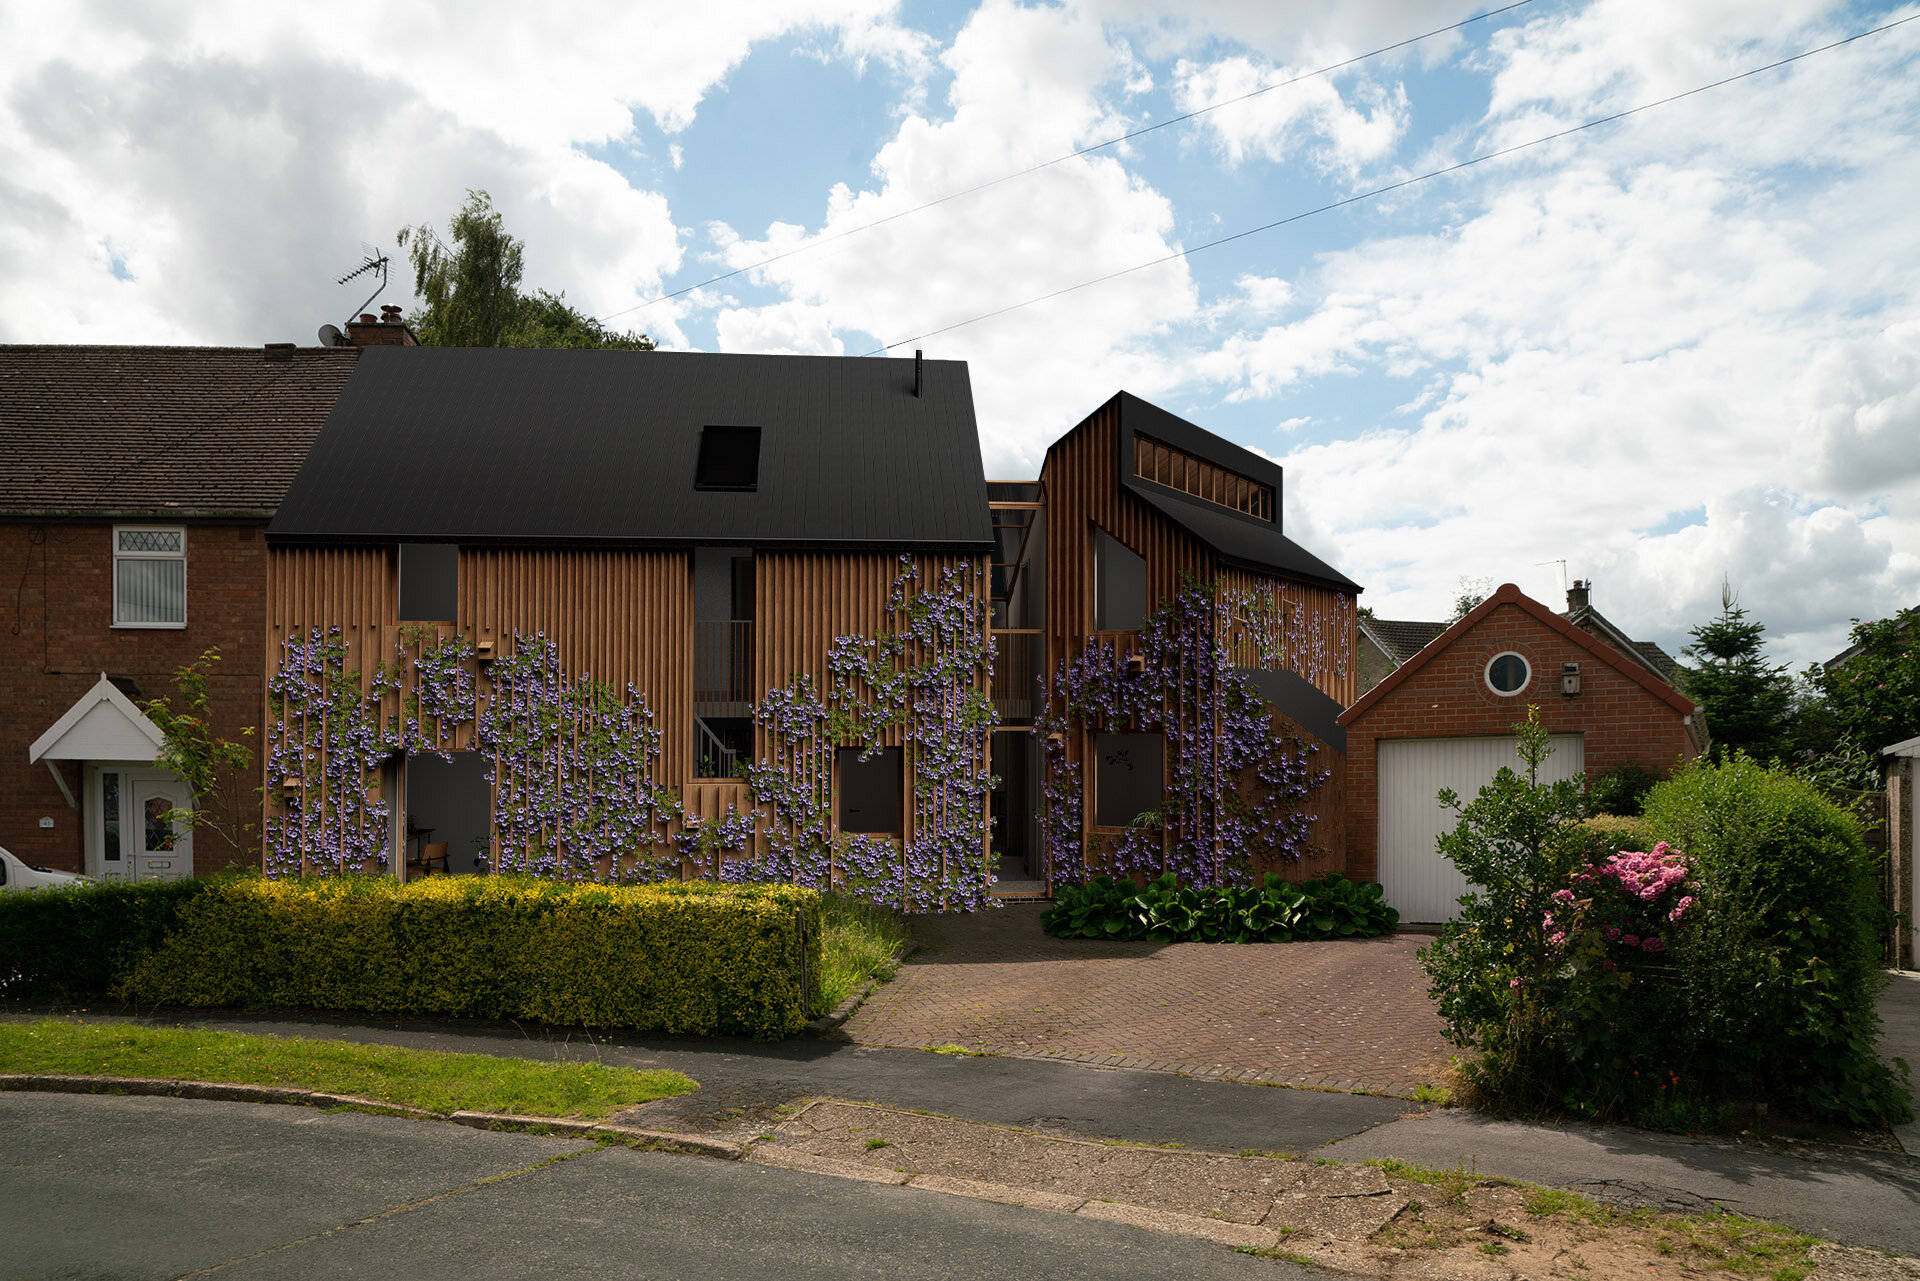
572	762
1233	789
924	676
572	768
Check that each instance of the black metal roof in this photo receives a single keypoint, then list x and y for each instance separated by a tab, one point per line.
477	445
1310	707
1236	537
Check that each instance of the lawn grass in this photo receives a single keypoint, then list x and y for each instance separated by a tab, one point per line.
862	943
414	1078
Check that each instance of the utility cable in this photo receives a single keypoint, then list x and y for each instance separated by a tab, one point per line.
1072	155
1392	186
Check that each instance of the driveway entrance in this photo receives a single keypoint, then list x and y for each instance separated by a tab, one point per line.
1344	1015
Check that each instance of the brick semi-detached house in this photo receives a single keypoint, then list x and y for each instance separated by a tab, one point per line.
136	484
1444	719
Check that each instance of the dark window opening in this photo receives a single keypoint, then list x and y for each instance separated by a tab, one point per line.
729	458
870	791
429	582
1129	772
722	745
1119	585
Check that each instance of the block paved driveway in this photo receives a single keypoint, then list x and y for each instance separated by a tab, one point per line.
1346	1015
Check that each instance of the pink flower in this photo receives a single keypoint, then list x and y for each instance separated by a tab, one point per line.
1516	983
1563	897
1653	944
1631	940
1611	933
1680	909
1556	939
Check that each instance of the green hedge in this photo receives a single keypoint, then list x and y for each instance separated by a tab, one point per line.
1274	911
682	958
77	943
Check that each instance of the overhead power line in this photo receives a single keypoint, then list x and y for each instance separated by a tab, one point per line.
1389	187
1071	155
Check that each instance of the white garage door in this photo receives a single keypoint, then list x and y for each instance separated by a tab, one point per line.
1417	880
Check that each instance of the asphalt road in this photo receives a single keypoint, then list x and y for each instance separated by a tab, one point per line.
98	1186
742	1082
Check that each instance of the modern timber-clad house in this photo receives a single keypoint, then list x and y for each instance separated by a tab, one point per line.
656	614
1155	549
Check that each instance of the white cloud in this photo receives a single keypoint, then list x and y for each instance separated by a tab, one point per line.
235	156
1309	116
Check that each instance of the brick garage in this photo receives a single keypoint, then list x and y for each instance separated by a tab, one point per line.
202	441
1622	714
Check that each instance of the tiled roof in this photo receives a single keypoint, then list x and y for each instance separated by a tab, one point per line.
212	431
1646	653
1401	638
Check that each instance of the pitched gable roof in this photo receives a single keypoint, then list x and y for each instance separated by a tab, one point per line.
159	431
1646	653
1236	537
518	446
1509	594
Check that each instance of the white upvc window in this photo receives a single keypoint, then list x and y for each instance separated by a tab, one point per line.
149	576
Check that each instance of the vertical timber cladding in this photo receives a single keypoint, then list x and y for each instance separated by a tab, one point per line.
619	616
356	589
804	600
1082	489
1316	632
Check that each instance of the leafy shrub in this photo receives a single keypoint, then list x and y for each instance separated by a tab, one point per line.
1787	962
1621	789
860	941
75	942
1734	962
1275	911
686	958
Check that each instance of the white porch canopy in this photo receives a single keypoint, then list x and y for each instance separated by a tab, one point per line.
103	725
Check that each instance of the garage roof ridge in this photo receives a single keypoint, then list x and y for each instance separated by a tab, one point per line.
1510	594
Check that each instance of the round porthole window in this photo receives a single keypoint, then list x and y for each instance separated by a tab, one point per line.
1508	673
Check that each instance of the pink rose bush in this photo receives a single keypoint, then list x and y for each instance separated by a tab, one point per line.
1624	907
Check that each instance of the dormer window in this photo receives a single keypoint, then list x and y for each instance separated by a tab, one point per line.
1163	464
149	576
729	459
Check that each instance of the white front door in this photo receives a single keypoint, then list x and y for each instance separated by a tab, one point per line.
126	839
162	850
1414	876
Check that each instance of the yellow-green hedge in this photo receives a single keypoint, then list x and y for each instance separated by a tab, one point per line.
692	958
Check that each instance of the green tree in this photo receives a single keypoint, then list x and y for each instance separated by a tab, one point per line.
470	291
1873	697
1467	599
211	766
1745	699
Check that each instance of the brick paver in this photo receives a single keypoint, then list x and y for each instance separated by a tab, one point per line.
1345	1015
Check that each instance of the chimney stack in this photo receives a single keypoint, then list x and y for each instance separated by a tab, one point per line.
385	330
1578	595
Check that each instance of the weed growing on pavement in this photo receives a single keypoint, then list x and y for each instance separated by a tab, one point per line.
957	1051
860	943
1285	1256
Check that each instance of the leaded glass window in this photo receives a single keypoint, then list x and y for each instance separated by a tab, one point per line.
149	577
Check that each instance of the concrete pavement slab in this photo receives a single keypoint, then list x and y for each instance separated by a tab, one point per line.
1900	1038
1849	1195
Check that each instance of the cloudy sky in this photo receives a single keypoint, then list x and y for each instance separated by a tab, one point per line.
1680	346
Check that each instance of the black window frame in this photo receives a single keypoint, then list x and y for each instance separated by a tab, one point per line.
729	459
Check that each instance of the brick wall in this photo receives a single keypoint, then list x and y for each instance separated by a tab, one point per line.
1620	719
59	638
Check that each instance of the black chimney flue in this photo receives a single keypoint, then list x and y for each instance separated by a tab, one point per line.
917	363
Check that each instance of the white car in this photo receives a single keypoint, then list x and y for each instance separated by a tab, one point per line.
15	875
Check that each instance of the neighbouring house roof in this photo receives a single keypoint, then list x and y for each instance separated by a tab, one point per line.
1633	668
1400	639
518	446
1905	747
1646	653
1852	651
159	431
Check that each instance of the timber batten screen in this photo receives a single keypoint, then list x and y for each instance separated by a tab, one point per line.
1163	464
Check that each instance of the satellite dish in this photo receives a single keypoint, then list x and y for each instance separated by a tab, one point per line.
330	336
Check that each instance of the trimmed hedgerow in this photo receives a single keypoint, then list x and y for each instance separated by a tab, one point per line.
1164	911
76	942
690	958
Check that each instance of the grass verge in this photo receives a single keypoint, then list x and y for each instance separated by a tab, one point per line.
414	1078
861	942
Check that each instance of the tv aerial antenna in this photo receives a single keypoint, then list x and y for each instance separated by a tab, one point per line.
1562	563
374	263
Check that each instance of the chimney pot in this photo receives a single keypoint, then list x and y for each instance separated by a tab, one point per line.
389	315
368	318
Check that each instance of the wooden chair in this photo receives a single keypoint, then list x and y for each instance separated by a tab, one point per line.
430	857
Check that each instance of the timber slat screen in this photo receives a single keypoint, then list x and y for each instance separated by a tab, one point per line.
1162	464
